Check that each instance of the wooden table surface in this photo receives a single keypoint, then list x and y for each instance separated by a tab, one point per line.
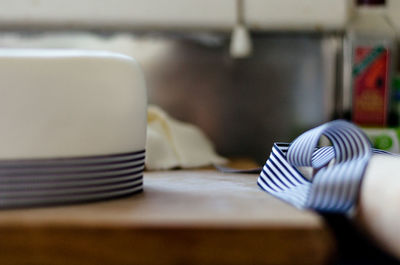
182	217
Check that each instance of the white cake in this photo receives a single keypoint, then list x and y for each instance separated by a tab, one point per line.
69	103
72	126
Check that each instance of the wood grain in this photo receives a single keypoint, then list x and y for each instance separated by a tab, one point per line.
182	217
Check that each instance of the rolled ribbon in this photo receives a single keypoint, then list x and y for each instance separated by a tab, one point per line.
338	169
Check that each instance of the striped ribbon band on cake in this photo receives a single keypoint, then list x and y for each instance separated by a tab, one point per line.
338	169
31	182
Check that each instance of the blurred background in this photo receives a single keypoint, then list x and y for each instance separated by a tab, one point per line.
284	77
287	83
247	72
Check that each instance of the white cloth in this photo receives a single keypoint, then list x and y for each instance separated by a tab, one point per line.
172	143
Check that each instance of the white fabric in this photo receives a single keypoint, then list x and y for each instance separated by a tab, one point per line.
172	143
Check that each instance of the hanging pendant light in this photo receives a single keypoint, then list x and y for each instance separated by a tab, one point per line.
241	45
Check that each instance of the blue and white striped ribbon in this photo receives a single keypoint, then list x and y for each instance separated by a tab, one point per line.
338	169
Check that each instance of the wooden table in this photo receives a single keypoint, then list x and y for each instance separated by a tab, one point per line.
182	217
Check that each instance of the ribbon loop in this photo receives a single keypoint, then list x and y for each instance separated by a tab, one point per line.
347	140
334	187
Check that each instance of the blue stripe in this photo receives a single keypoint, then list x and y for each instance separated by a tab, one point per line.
263	177
273	179
279	176
280	168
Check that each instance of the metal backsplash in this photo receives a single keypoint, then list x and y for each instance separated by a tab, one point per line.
286	86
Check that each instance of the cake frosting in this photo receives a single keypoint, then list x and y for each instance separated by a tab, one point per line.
70	103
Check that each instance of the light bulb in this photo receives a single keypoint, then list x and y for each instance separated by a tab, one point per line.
241	45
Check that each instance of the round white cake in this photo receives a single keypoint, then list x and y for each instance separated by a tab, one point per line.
70	116
62	103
